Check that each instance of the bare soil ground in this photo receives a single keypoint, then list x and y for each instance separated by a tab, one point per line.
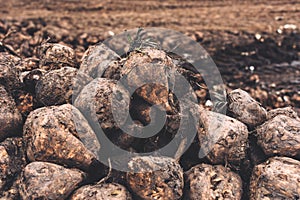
226	29
117	15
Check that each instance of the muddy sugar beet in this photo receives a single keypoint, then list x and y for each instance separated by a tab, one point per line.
244	108
55	56
10	117
42	180
8	72
50	134
108	191
55	87
280	136
100	93
212	182
277	178
160	178
223	138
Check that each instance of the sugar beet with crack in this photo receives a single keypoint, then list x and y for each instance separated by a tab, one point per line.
60	134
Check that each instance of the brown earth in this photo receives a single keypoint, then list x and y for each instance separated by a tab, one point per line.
118	15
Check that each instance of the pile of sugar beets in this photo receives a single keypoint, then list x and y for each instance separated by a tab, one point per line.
47	154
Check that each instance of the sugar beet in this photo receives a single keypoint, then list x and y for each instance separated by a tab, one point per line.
42	180
160	178
208	182
53	134
10	118
277	178
222	138
109	191
280	136
55	56
55	87
244	108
